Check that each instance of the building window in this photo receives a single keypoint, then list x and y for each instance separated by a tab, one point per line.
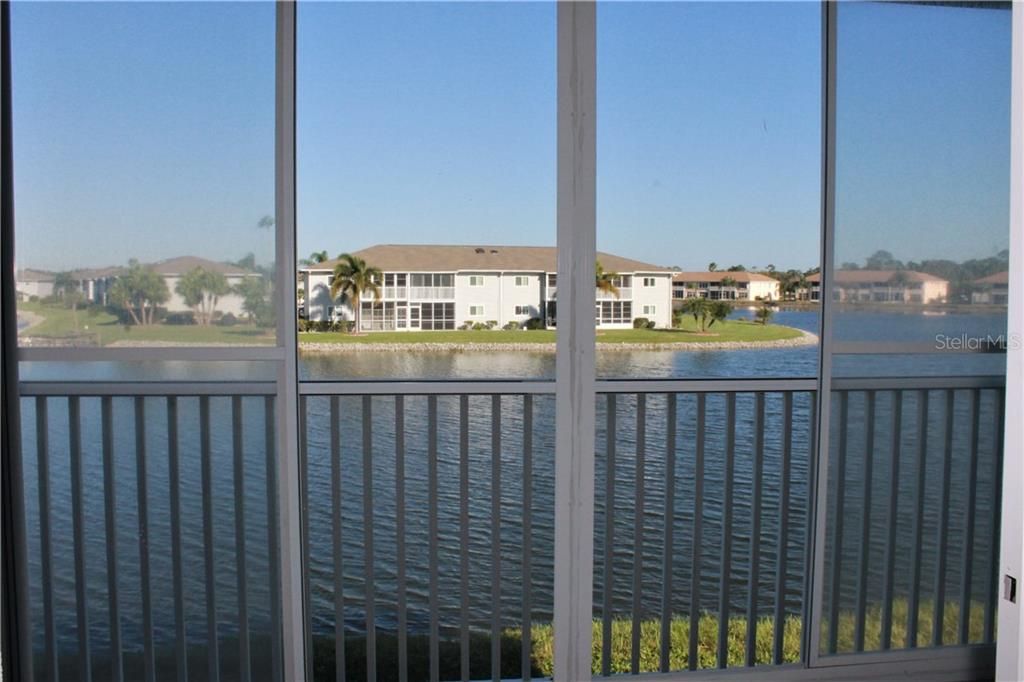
476	311
552	280
650	310
476	280
522	281
522	310
614	312
649	281
435	316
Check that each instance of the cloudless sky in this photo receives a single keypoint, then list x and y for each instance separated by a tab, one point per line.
146	130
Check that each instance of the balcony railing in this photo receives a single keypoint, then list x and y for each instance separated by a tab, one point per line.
427	513
431	293
624	294
394	292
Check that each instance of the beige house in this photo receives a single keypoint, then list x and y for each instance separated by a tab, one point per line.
884	286
725	285
993	289
435	287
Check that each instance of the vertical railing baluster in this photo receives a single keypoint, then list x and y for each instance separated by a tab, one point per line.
304	522
609	534
241	574
638	528
967	559
368	569
810	505
527	617
496	537
174	480
78	529
272	544
669	516
782	571
403	648
755	530
837	538
918	520
435	650
938	621
336	530
723	587
110	513
865	528
992	592
889	585
45	540
206	461
142	497
698	522
464	537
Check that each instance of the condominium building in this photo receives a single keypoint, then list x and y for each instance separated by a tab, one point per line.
725	285
885	286
993	289
432	287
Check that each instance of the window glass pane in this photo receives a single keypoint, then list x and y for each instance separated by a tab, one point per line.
921	232
708	187
144	173
426	149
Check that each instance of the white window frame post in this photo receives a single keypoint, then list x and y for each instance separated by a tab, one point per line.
1010	643
575	375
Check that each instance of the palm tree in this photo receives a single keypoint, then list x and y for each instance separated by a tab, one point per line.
314	258
699	308
605	281
718	311
353	278
712	266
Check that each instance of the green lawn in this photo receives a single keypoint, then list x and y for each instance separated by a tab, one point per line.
736	330
61	322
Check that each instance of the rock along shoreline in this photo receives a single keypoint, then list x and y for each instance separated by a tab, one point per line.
805	339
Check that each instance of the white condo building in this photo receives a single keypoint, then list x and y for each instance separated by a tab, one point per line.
432	287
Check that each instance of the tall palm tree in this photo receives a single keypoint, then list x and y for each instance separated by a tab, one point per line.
605	281
700	308
353	278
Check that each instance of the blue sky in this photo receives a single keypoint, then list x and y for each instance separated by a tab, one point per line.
146	130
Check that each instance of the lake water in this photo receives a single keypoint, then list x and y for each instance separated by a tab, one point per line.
789	362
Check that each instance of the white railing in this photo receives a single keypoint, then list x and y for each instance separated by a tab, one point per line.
394	292
431	293
625	293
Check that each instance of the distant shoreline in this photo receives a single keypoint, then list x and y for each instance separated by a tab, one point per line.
805	339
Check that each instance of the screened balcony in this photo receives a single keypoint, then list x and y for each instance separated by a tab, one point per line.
816	492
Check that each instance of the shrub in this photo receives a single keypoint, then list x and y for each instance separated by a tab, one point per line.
491	324
511	326
480	326
466	326
302	324
642	323
534	323
180	318
227	320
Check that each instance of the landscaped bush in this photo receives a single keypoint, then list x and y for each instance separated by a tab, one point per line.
480	326
643	323
534	323
491	324
511	326
180	318
466	326
228	320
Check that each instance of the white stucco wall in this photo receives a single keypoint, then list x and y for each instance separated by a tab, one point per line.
660	296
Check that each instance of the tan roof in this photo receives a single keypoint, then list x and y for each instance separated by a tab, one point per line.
869	276
97	273
997	278
184	264
442	258
30	275
719	275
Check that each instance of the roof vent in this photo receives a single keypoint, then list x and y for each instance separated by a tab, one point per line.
479	250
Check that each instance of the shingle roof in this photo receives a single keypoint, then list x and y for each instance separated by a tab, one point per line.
184	264
719	275
869	276
997	278
443	258
30	275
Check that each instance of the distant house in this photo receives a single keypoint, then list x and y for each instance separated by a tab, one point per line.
883	286
725	285
29	283
432	287
992	289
